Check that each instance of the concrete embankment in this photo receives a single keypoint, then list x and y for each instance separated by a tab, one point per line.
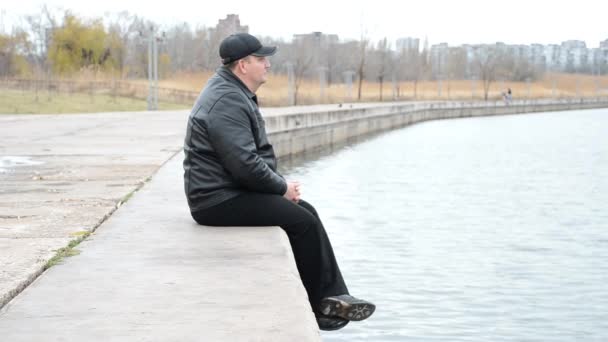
301	129
148	272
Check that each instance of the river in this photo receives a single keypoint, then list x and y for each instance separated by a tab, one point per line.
477	229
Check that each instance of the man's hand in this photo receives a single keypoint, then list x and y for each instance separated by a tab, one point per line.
293	191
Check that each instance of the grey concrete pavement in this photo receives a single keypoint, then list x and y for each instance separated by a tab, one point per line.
149	273
62	175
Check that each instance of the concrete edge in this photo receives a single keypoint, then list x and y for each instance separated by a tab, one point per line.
11	294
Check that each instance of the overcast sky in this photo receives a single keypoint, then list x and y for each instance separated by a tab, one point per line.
454	22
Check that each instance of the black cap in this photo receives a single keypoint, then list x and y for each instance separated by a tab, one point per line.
240	45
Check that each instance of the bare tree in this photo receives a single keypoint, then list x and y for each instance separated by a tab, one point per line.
13	52
181	46
520	69
136	54
200	50
37	32
456	65
215	37
422	67
301	59
330	55
121	30
40	28
363	46
408	65
487	62
383	57
347	55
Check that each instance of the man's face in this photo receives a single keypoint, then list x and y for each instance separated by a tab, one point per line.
257	67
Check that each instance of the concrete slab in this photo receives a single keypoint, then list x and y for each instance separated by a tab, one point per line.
150	273
24	259
62	175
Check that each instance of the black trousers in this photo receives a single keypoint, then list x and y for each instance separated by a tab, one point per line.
312	250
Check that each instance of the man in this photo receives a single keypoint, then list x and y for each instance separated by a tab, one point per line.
231	178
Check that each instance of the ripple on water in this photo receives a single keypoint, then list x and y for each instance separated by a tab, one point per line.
488	229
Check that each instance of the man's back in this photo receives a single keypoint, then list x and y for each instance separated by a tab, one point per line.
226	147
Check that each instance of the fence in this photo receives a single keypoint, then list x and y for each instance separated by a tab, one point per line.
309	94
111	88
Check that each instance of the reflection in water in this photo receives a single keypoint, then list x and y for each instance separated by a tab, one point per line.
485	229
289	163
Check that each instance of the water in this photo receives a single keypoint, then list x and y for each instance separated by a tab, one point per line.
484	229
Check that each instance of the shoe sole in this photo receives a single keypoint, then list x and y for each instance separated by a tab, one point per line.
332	326
357	311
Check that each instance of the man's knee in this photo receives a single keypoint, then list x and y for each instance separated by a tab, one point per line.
308	207
303	225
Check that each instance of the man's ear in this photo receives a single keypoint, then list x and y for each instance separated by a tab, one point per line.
241	64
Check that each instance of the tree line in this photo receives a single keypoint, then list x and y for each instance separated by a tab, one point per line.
56	43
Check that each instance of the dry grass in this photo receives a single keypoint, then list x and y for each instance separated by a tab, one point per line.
275	91
28	102
182	81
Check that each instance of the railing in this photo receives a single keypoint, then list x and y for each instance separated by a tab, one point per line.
111	88
140	91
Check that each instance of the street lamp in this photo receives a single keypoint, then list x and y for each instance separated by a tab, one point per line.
152	39
348	80
291	93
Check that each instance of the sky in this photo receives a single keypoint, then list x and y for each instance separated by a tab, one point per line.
453	22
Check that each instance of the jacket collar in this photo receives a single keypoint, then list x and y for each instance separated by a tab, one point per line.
227	74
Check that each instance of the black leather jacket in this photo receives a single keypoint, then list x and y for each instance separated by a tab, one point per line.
226	148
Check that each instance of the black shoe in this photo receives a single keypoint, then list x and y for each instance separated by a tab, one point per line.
330	323
347	307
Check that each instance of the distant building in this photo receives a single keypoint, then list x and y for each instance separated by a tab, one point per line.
602	58
570	55
470	57
551	54
408	44
595	59
519	51
536	55
317	43
439	58
573	44
230	25
316	38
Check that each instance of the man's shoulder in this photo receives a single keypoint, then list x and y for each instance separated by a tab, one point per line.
219	86
221	93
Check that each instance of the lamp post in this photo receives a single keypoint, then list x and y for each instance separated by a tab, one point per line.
348	79
322	83
152	39
473	87
291	85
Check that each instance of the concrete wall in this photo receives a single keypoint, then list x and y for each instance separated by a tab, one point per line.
293	132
